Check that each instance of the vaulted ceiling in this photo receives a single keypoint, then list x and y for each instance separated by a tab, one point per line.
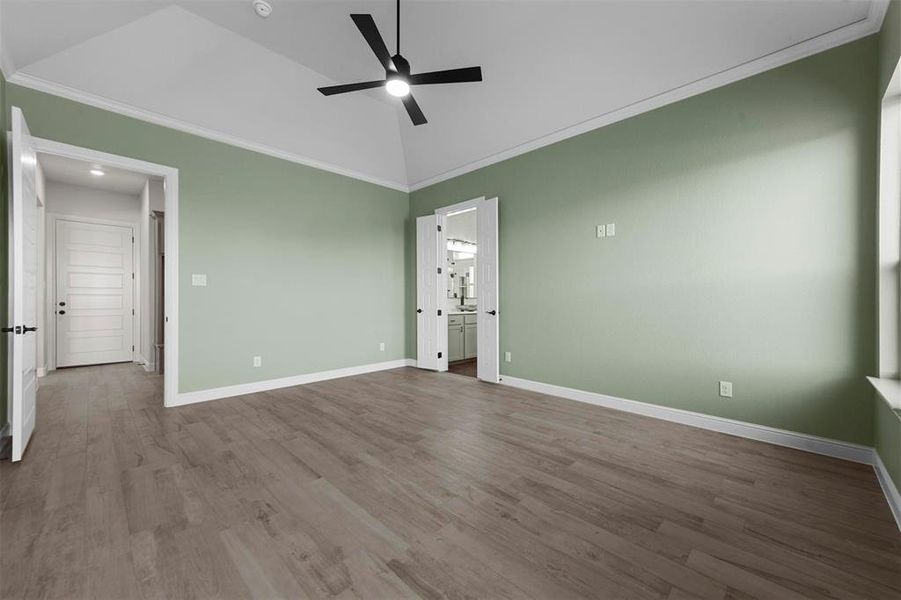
552	68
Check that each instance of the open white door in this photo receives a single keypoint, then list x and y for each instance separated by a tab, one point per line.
23	285
431	316
488	341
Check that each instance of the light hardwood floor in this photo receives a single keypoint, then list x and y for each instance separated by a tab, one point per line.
405	484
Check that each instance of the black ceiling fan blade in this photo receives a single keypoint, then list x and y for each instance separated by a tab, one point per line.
413	110
350	87
366	25
464	75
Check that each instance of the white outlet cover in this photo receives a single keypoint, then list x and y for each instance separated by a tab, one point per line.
726	389
198	279
508	357
382	347
601	231
611	229
258	361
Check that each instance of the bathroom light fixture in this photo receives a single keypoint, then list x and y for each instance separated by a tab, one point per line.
461	246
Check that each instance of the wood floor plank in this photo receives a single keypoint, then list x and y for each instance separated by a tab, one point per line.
411	484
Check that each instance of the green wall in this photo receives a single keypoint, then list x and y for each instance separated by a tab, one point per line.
887	426
305	268
4	246
744	250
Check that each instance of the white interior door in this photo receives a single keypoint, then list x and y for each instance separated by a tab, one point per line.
94	293
489	334
23	285
431	315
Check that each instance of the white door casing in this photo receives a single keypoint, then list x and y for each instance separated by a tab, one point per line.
431	313
23	286
489	298
94	293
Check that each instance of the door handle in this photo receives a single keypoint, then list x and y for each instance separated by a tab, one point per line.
491	312
62	303
419	310
61	312
26	329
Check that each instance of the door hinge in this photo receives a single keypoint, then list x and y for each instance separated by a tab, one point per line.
439	270
132	275
132	239
132	348
439	312
132	312
439	355
439	228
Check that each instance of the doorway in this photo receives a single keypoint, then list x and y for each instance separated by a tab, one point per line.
457	290
462	293
96	266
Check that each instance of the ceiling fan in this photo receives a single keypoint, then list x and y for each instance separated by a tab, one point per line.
398	78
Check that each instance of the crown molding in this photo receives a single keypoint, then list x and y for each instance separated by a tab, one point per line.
49	87
843	35
871	24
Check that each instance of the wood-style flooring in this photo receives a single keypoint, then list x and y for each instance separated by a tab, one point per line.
469	367
410	484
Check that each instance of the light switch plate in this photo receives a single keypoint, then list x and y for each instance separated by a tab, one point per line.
726	389
258	361
382	347
198	279
602	231
508	357
611	229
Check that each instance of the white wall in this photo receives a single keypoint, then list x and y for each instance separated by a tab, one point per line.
67	199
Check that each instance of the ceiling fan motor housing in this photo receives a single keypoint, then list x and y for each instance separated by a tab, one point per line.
401	66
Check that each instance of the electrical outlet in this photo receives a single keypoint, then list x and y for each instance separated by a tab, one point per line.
258	361
198	279
382	347
601	231
508	357
726	389
611	229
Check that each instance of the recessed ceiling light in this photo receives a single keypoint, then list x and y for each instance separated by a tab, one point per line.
262	8
97	173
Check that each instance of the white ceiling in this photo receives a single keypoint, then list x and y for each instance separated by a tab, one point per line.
60	169
552	68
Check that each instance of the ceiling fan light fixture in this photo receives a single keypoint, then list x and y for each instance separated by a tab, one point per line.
397	86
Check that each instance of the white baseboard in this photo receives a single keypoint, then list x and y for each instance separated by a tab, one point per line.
283	382
780	437
888	487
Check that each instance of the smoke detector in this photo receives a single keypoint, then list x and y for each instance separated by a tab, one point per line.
262	8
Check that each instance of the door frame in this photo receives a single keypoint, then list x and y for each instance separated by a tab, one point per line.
170	190
50	342
447	211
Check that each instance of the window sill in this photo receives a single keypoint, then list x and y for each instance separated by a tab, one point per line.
889	390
